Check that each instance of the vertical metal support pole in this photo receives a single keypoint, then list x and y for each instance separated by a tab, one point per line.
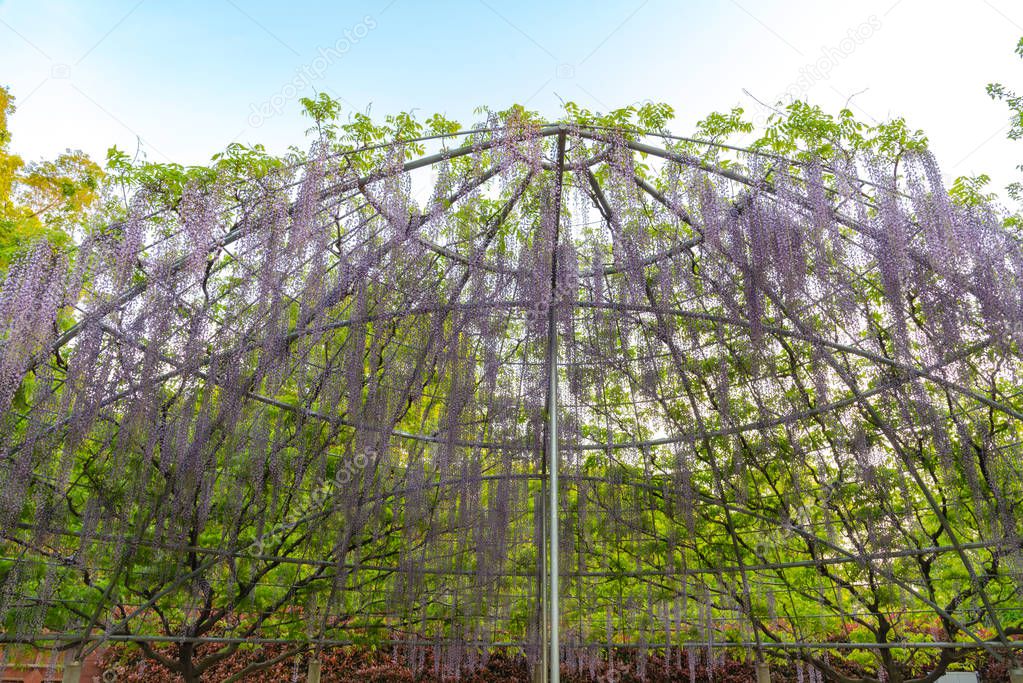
552	433
554	612
540	510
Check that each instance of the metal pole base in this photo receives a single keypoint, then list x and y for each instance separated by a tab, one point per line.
1016	675
314	671
763	672
72	672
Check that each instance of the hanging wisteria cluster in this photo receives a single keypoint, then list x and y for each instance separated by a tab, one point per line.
309	407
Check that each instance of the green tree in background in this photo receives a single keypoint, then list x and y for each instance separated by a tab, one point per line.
1014	101
45	199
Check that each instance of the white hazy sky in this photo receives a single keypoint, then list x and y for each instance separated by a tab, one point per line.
186	78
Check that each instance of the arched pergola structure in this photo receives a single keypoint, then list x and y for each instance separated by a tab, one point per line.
561	388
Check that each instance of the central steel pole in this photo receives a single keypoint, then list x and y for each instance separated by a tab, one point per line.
552	507
554	657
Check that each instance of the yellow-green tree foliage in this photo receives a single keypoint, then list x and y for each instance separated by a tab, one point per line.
44	199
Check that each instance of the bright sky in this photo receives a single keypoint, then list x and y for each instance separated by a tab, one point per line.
188	77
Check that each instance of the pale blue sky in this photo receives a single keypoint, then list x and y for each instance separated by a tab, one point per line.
188	77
